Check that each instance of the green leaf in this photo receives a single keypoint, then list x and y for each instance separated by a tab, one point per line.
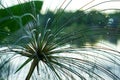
27	61
22	8
9	24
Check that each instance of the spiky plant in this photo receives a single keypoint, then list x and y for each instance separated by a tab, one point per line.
44	52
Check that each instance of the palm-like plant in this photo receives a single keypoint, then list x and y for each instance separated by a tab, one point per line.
49	52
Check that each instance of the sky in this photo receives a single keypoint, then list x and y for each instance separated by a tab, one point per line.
81	4
73	4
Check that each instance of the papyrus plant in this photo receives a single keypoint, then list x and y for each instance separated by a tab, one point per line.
46	52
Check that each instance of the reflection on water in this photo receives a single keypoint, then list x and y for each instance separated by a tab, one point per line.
108	44
110	66
115	46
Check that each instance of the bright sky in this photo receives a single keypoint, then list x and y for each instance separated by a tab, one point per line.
74	4
78	4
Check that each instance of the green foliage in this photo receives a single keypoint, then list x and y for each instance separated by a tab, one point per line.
96	18
12	17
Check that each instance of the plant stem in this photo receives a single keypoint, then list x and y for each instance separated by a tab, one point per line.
33	65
